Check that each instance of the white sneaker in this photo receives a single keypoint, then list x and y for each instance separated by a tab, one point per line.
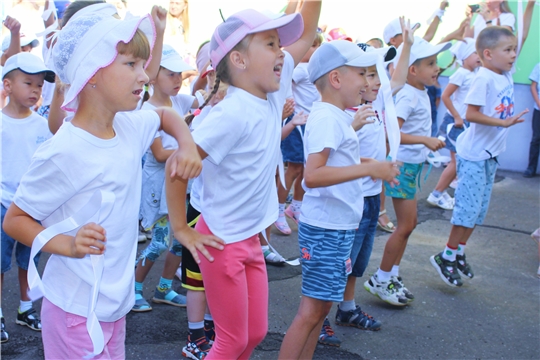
441	201
402	289
449	198
386	291
141	238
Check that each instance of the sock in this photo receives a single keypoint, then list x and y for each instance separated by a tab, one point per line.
281	209
208	317
449	253
296	205
265	247
25	306
347	305
394	271
138	287
436	193
209	331
196	330
1	313
383	276
461	249
164	284
195	325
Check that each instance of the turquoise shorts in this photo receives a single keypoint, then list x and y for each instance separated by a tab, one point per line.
407	178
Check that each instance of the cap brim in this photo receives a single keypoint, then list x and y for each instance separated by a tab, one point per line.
434	50
367	59
175	65
290	28
49	74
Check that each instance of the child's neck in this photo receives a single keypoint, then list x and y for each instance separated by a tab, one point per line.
96	120
159	98
490	66
16	110
416	84
467	67
334	99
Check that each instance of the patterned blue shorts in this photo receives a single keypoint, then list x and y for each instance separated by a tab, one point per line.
326	264
408	176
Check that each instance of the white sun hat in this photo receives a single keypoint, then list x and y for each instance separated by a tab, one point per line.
88	43
463	49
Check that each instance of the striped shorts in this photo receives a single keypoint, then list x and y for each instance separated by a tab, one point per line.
325	257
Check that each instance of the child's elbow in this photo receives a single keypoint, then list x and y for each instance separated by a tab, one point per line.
310	181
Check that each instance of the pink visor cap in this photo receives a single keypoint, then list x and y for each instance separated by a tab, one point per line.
228	34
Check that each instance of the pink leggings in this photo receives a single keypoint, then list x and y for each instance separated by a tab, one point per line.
65	335
236	288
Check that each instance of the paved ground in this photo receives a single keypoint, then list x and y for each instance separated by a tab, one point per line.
495	316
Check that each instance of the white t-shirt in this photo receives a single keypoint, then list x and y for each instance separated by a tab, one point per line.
340	206
494	94
181	103
505	19
197	185
413	106
20	140
242	136
304	92
535	76
47	91
372	140
463	79
61	180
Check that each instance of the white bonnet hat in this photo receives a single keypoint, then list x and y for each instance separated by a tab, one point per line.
88	43
463	49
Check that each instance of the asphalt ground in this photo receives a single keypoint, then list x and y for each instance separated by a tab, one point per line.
496	315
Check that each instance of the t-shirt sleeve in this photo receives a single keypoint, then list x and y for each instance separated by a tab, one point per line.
324	133
457	78
182	103
43	189
507	19
299	74
535	74
219	133
478	91
404	104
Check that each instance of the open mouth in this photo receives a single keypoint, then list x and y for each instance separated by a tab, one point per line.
137	92
277	69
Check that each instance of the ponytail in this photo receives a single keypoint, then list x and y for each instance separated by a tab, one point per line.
190	117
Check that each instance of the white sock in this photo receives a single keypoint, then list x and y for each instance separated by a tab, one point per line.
347	305
394	271
449	253
25	306
461	249
383	276
281	209
195	325
1	313
208	317
296	205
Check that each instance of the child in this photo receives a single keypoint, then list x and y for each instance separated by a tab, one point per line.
239	140
490	110
534	148
333	202
453	97
16	42
22	131
92	166
305	94
414	116
154	207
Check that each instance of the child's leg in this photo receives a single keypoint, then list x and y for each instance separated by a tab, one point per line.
160	243
292	172
301	337
448	175
298	188
164	293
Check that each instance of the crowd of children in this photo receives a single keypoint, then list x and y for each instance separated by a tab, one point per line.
203	174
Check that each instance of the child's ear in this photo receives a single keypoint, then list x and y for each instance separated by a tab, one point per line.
334	79
413	70
93	80
237	60
7	85
487	54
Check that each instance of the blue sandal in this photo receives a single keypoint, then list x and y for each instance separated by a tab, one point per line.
141	305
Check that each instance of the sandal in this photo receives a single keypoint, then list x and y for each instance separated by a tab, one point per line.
141	305
272	258
389	227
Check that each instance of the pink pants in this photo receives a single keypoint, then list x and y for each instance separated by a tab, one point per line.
65	336
236	288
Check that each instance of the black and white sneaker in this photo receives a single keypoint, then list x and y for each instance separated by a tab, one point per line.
29	318
401	287
447	270
386	290
463	266
4	334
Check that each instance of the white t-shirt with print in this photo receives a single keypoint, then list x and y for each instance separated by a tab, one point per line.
413	106
340	206
494	93
20	138
304	92
60	181
504	19
462	78
535	76
242	136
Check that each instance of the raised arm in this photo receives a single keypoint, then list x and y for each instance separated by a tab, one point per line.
159	15
14	27
310	13
399	74
432	29
527	19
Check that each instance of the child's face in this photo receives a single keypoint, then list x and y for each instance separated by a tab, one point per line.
120	84
504	55
396	40
374	84
427	71
473	61
168	82
26	48
24	89
264	62
354	85
310	52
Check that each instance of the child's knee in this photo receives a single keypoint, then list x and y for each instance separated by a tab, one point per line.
153	251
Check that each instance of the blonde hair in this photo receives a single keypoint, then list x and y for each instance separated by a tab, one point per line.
138	46
184	20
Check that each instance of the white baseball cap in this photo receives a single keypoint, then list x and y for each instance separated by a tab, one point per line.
25	40
171	60
337	53
29	64
392	29
422	49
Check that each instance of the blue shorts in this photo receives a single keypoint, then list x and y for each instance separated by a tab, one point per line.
325	257
365	235
292	147
475	182
408	176
22	252
451	138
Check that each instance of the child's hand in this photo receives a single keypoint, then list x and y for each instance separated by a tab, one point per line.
90	239
406	31
159	15
516	119
185	162
387	171
193	241
288	108
458	122
13	25
299	119
434	144
361	117
444	5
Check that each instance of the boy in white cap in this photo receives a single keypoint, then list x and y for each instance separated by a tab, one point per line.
413	110
21	132
333	202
